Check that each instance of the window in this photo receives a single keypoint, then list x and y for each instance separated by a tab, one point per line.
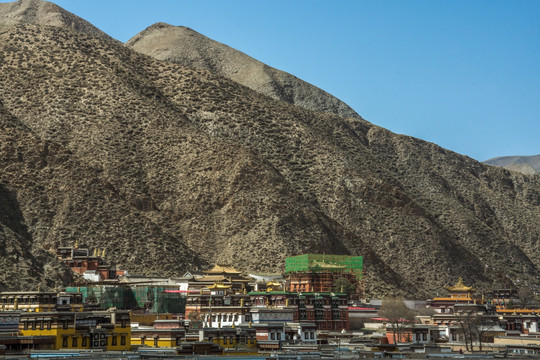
272	336
26	325
114	341
74	342
312	335
41	325
65	342
65	324
84	341
123	340
34	325
49	325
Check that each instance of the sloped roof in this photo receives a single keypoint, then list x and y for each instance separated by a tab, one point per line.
211	278
219	269
460	287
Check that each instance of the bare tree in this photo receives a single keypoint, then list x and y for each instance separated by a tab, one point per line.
474	325
195	320
525	296
463	319
398	315
481	325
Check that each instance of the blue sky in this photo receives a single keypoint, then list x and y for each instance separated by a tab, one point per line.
462	74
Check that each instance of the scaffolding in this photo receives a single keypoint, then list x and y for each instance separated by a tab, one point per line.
325	263
319	272
152	299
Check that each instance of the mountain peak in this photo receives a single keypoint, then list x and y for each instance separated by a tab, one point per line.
184	46
45	13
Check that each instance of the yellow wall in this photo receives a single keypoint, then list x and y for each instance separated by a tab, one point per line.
70	333
150	342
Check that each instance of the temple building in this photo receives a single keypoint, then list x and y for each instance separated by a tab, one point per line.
91	267
326	311
218	305
40	301
459	294
323	273
222	274
59	321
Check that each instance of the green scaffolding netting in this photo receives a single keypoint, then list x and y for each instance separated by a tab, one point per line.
324	262
152	298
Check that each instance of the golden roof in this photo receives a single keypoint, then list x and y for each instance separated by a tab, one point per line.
220	269
460	287
212	278
327	265
218	285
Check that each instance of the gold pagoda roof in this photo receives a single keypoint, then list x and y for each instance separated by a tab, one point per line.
220	269
460	287
218	285
210	278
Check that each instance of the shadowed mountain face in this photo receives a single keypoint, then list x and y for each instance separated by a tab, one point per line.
168	167
186	47
524	164
45	13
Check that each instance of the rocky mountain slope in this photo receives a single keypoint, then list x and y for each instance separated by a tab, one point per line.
45	13
168	167
186	47
524	164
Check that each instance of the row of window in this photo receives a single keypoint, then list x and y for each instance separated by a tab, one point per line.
231	340
225	318
42	324
29	300
85	341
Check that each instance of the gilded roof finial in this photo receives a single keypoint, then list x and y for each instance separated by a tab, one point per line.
460	286
76	244
95	252
103	254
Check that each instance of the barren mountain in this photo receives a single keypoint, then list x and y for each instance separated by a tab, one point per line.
167	167
186	47
45	13
524	164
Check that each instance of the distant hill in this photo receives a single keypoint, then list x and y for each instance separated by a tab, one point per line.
45	13
170	167
523	164
187	47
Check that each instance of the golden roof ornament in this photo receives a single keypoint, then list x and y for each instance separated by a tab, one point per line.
460	287
219	285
